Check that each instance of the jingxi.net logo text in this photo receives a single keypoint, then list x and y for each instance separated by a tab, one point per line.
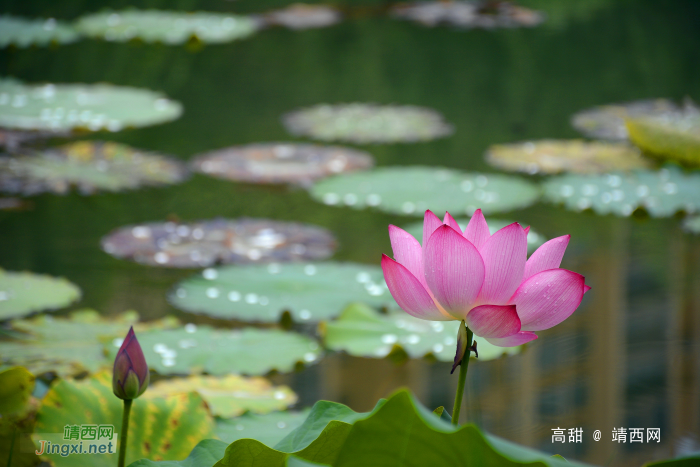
78	439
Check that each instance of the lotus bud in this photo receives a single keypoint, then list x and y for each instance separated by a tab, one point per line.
131	374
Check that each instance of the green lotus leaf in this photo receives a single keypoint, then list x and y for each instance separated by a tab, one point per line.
197	349
90	166
412	190
163	429
67	346
219	241
367	123
309	292
168	27
399	428
22	293
575	156
608	121
302	16
269	429
228	396
468	15
22	32
661	193
16	386
674	137
281	162
207	453
684	461
692	224
362	332
534	239
204	454
61	107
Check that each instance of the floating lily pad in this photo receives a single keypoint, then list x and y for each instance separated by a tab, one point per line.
13	140
534	239
674	136
67	346
205	243
412	190
22	293
367	123
552	156
302	16
228	396
661	193
281	162
692	224
268	429
90	166
168	27
22	32
469	15
160	429
16	386
197	349
608	121
309	292
61	107
362	332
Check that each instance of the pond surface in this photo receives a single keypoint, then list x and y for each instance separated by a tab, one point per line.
630	356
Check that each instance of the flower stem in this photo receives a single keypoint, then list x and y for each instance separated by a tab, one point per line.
462	379
125	432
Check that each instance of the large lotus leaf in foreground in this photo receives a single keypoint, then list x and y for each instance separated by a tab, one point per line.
61	107
228	396
22	293
674	136
23	32
168	27
198	349
534	239
661	193
69	345
398	430
159	429
412	190
577	156
281	162
90	166
268	429
608	121
362	332
367	123
219	241
309	292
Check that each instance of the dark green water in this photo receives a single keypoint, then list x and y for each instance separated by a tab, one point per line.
629	357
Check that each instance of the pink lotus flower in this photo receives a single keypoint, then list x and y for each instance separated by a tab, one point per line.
485	280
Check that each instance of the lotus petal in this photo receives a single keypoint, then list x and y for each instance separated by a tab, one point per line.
548	298
504	257
477	230
408	252
548	256
430	223
449	220
454	270
511	341
494	320
409	293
